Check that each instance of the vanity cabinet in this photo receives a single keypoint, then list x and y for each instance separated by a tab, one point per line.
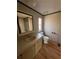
33	50
30	49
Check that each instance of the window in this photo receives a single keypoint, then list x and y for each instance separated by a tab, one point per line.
40	24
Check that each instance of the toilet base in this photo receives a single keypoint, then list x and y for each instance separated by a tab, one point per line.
45	42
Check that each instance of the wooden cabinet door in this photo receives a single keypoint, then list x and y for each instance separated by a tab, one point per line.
29	53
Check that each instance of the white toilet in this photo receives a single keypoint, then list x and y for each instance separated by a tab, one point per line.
45	38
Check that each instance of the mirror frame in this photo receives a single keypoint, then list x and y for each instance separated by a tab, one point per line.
18	26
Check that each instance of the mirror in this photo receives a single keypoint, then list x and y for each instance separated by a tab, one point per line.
25	23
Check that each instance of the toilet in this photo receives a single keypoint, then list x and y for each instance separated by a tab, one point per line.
45	38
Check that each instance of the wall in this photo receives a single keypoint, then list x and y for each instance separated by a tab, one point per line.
52	23
22	8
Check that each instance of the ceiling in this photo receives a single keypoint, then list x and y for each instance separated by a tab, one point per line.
44	6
